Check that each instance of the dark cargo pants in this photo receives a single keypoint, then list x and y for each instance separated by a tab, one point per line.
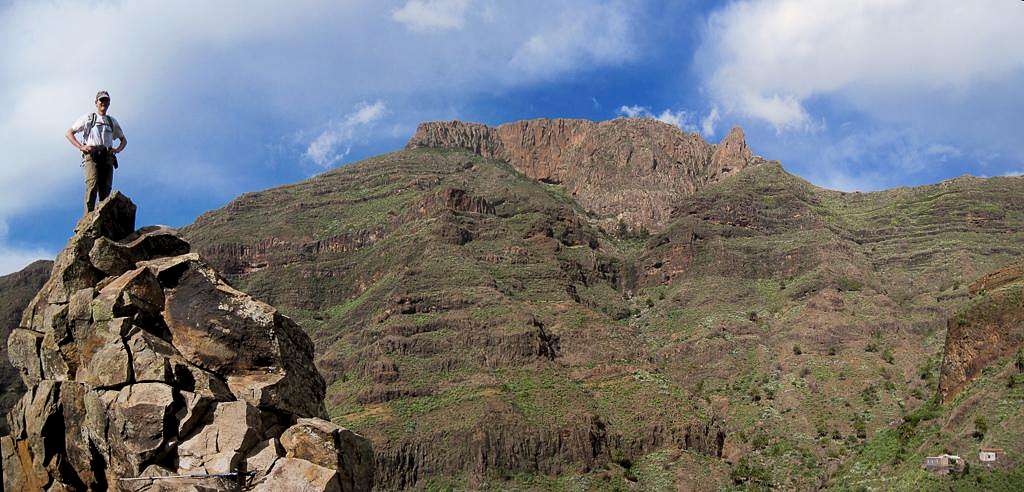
99	176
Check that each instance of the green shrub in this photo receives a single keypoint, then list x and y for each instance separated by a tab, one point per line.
748	472
980	427
870	395
849	284
860	426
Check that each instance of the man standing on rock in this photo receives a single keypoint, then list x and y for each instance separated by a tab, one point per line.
99	130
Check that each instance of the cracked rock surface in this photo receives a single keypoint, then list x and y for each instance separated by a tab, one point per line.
142	361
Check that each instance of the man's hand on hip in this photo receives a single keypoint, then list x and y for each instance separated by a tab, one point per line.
86	148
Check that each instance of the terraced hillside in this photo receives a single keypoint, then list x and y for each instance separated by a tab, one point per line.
486	330
981	390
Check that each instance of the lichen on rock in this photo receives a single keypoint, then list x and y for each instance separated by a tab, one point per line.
141	361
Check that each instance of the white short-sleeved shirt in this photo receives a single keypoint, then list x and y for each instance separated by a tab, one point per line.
104	131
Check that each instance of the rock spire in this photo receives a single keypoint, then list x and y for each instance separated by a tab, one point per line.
141	361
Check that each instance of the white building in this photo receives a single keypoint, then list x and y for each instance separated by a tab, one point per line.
989	455
943	463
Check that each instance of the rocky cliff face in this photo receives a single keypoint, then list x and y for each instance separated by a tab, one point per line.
141	361
989	326
16	290
626	169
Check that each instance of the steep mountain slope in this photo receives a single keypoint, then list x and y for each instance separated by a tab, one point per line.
439	283
818	314
978	406
481	315
16	290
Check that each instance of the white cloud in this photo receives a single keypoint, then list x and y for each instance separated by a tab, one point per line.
708	122
677	118
1011	173
943	152
867	159
13	259
334	143
589	33
849	182
680	118
635	111
432	15
769	59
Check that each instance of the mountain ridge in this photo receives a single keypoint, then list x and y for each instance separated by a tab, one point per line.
628	169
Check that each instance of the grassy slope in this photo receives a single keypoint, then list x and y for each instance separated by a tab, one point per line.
823	312
809	319
987	412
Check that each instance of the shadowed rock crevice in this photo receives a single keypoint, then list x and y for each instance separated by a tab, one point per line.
140	360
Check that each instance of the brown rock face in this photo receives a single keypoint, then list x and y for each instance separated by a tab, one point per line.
626	169
140	360
16	290
990	326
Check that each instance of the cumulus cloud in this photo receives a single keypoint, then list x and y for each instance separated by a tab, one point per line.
635	111
432	15
13	259
708	122
334	143
591	33
680	118
768	60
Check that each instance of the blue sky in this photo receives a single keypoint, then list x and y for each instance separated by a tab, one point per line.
241	96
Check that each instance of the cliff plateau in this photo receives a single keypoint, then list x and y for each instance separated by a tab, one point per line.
627	169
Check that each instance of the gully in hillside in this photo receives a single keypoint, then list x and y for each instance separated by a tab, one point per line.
99	130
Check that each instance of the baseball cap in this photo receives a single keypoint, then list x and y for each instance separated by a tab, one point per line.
101	95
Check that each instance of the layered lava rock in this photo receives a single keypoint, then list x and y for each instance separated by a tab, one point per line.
988	327
141	361
628	169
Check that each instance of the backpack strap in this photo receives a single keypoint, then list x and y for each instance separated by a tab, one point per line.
88	128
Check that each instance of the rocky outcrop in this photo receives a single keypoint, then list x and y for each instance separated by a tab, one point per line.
141	361
454	200
990	326
503	442
626	169
16	290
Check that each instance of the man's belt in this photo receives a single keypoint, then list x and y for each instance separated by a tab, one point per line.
99	150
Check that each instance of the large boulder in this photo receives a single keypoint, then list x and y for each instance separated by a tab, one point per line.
142	361
266	357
